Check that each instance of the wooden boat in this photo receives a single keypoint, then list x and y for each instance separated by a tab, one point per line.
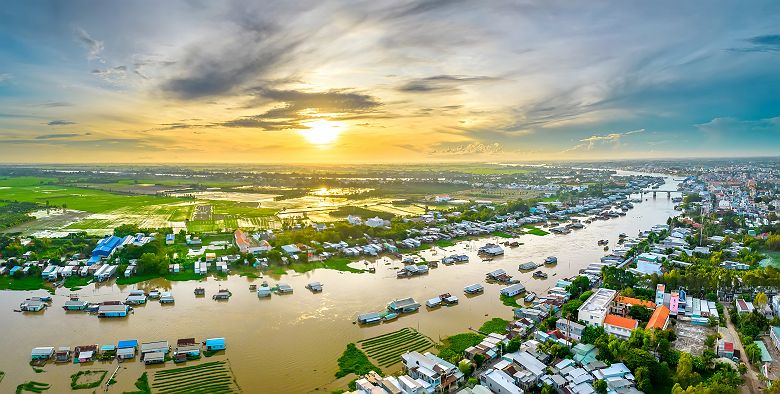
390	316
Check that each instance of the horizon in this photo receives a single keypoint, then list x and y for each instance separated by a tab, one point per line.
355	83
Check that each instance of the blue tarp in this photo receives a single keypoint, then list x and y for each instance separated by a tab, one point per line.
127	344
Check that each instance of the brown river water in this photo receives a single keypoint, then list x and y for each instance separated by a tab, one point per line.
290	343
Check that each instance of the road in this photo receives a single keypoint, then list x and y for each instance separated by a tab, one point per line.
752	384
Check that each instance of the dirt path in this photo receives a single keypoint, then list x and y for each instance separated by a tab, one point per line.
752	384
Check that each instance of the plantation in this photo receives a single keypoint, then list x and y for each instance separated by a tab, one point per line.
387	349
210	377
87	379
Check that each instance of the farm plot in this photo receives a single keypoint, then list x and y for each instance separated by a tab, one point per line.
211	377
387	349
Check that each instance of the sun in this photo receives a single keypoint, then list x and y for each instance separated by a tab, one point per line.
322	132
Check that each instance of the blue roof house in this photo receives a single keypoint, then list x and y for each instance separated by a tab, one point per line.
130	343
213	344
106	246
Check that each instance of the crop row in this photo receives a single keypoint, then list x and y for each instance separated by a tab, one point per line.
391	342
383	337
193	372
209	375
390	360
188	368
395	353
396	343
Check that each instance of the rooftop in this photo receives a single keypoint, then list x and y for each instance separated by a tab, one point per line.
620	321
635	301
659	317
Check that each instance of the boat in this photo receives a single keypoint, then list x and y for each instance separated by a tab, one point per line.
529	297
154	294
199	291
448	299
315	287
528	266
389	316
252	287
551	260
433	302
606	248
475	288
603	242
540	275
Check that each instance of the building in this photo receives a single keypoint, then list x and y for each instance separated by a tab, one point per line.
743	306
726	349
513	290
169	239
659	319
112	310
375	222
595	308
774	334
247	244
438	374
619	326
570	329
105	248
499	382
214	344
622	305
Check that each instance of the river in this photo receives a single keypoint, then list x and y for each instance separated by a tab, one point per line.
290	343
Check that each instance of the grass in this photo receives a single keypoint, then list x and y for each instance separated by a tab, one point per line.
354	361
333	263
444	243
509	301
210	377
453	347
142	384
30	282
502	234
495	325
181	276
76	282
82	380
32	387
387	349
535	230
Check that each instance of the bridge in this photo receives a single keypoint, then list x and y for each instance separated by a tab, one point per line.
656	191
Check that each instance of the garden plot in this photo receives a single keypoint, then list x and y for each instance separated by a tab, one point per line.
386	350
210	377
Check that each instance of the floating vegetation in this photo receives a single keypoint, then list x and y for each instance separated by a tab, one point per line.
387	349
210	377
32	387
354	361
87	379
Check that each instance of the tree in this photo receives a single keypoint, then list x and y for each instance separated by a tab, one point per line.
761	300
600	386
685	376
479	359
753	352
640	313
591	333
643	379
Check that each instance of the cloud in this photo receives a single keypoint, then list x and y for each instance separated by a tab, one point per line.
60	122
5	77
93	46
55	104
56	136
297	107
595	140
761	43
111	74
441	83
734	126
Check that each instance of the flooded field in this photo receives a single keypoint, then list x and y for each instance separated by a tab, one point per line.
290	343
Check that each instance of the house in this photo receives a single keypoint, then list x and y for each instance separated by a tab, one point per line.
619	326
42	353
31	305
622	305
726	349
291	250
743	306
154	358
112	310
405	305
584	353
527	362
375	222
154	347
125	350
570	329
499	382
62	355
214	344
774	334
247	244
659	319
594	310
75	305
169	239
105	248
438	374
513	290
766	358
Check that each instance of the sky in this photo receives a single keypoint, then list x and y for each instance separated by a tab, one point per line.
399	81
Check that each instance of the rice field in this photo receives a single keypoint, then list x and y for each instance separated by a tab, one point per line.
210	377
386	350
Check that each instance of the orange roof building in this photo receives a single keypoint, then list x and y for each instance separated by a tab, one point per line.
634	301
619	326
659	319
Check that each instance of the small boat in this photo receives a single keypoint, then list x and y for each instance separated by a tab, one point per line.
622	235
514	244
540	275
448	299
154	294
551	260
529	297
390	316
199	291
315	287
252	287
606	248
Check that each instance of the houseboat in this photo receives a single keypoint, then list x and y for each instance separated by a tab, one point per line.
214	344
62	355
112	310
389	316
527	266
154	294
369	318
540	275
475	288
222	295
75	305
154	358
31	305
404	305
166	298
199	291
135	299
264	291
448	299
513	290
433	303
315	287
42	353
284	288
551	260
491	249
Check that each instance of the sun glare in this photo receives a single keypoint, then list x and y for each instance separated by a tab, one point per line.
322	132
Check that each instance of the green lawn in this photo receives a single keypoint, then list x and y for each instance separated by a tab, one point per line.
354	361
535	230
30	282
495	325
502	234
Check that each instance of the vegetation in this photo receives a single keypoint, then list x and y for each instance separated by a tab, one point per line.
32	387
534	230
355	361
364	213
502	234
509	301
14	213
495	325
29	282
386	349
142	384
87	379
210	377
453	347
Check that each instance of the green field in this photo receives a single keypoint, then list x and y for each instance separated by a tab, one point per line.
535	230
210	377
387	349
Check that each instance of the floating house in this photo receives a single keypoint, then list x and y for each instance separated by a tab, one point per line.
284	288
135	299
154	347
42	353
369	318
75	305
125	350
32	306
166	298
112	310
405	305
62	355
154	358
315	287
513	290
475	288
222	295
214	344
264	291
